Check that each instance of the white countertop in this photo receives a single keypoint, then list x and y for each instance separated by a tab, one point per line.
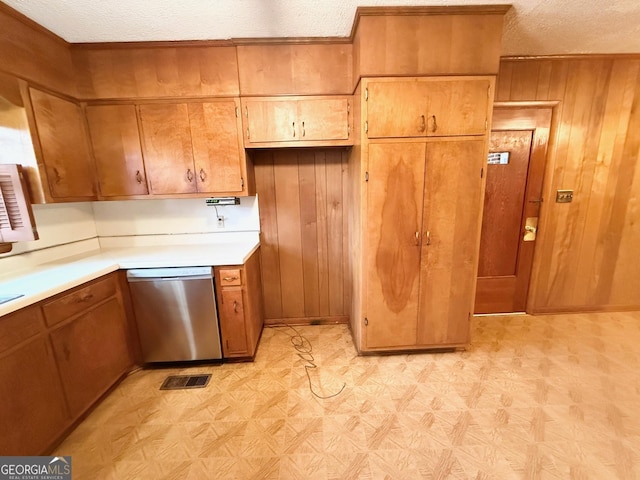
46	280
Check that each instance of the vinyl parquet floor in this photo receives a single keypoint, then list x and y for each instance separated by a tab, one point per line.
546	397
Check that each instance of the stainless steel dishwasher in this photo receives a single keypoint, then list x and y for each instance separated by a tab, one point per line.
176	314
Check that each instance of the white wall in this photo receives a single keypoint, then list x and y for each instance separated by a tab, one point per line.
173	217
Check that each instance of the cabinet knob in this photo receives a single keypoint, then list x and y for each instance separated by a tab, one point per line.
230	279
293	125
189	175
423	123
57	174
427	236
417	238
303	130
203	175
435	124
138	176
235	306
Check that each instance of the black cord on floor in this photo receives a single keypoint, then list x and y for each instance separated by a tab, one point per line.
305	352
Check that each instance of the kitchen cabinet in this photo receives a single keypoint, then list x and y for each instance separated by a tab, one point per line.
117	152
193	147
421	107
90	340
240	312
297	121
61	144
421	202
33	411
57	358
423	217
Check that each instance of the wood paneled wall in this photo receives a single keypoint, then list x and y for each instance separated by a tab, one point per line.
587	251
303	222
31	52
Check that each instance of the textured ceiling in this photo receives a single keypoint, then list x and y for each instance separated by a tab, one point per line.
532	27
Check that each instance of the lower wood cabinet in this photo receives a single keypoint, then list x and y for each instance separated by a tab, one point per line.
33	411
240	312
57	358
92	354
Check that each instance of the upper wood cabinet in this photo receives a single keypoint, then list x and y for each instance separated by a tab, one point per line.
116	150
297	121
62	146
421	107
193	147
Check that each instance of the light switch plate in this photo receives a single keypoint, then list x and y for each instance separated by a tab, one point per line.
564	196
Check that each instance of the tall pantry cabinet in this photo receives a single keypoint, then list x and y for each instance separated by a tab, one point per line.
423	151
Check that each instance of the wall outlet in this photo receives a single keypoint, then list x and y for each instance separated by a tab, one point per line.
221	221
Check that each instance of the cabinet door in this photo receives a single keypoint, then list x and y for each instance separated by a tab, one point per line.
167	148
394	217
323	119
232	324
64	146
457	107
396	109
217	146
452	214
271	121
116	149
92	353
33	413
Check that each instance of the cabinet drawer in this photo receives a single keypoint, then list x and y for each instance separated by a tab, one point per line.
20	326
79	300
230	277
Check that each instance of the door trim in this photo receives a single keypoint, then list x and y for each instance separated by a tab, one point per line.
538	117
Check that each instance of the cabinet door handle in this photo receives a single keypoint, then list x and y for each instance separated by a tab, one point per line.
423	123
303	130
435	124
230	279
427	235
57	174
235	306
203	175
293	125
138	176
87	297
189	175
417	238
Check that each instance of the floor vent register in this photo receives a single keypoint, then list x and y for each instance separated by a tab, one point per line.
177	382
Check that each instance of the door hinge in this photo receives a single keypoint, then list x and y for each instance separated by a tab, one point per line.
246	111
248	137
348	108
366	126
237	112
489	91
366	321
486	124
366	94
366	176
242	182
482	172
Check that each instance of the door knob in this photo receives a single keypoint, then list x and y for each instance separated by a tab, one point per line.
530	229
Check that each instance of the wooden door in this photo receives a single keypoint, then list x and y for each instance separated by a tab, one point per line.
324	119
167	148
396	109
451	228
217	146
270	120
64	146
513	194
116	150
91	353
470	114
232	322
394	218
